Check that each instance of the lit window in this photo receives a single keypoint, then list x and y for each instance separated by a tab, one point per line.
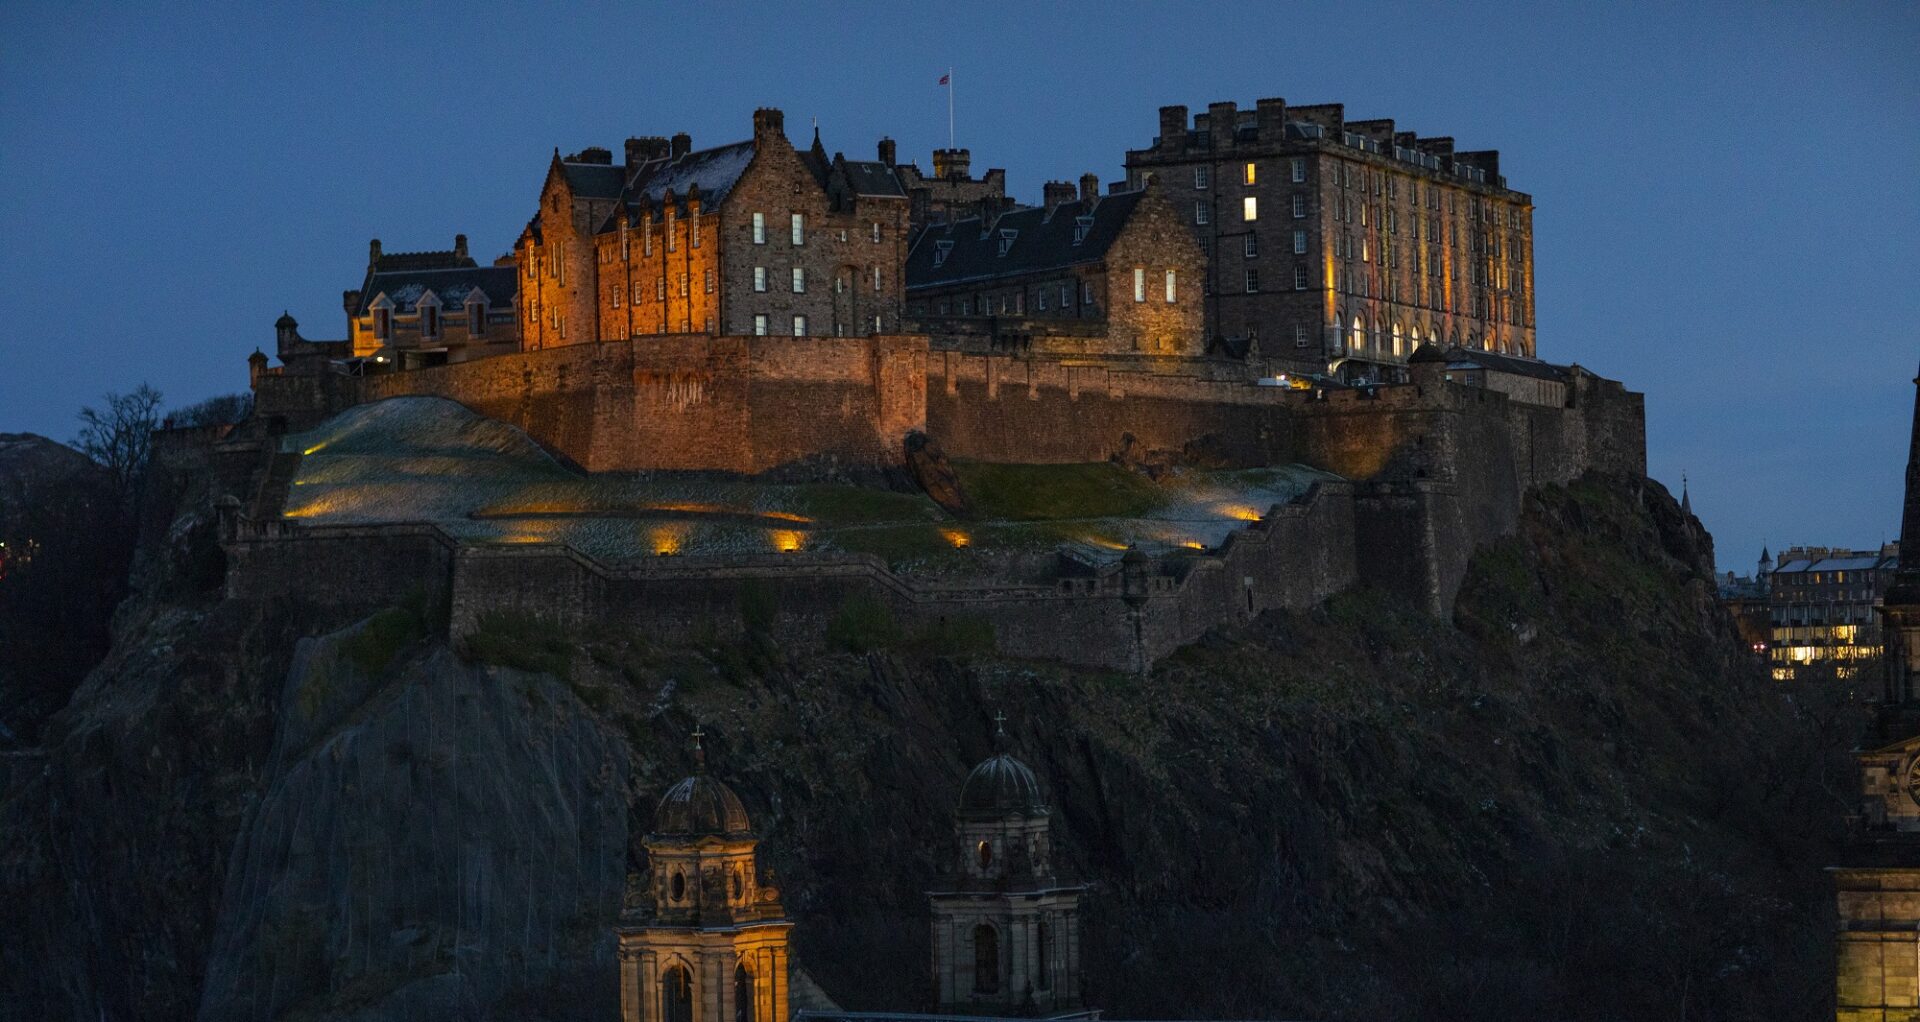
1170	287
1250	246
1139	284
1201	179
1359	335
760	230
759	323
799	280
1298	169
1202	211
1253	280
1300	205
799	326
1299	243
799	229
1250	208
1248	174
759	278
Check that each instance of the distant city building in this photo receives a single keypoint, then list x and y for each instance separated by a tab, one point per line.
1334	241
1824	609
1082	273
1746	598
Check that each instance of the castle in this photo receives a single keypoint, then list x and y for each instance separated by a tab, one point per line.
778	313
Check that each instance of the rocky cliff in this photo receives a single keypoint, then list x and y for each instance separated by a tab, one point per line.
1577	799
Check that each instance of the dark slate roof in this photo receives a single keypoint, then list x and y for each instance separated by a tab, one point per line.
699	806
501	284
999	786
1042	242
1862	562
715	171
390	262
869	178
1512	364
594	180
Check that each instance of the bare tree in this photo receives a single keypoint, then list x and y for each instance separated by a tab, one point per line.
219	410
120	435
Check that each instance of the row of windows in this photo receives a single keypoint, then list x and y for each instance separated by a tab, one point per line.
428	319
1381	183
1015	303
1250	173
1140	285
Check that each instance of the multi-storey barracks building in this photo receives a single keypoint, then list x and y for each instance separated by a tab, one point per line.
1333	240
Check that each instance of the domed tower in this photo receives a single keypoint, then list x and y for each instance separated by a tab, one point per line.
704	940
1006	927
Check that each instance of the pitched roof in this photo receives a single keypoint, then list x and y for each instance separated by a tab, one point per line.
501	284
714	171
594	180
1858	562
395	261
1040	242
866	177
1467	358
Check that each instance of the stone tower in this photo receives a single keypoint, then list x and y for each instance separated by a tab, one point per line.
1006	928
1900	609
703	940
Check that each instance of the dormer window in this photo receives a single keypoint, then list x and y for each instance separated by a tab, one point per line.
1006	241
1081	225
428	310
941	250
382	309
477	314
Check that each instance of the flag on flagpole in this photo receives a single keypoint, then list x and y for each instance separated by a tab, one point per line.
946	79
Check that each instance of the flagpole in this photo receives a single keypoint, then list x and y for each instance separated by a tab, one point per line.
949	106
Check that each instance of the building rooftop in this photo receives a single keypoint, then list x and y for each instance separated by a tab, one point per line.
501	285
1026	240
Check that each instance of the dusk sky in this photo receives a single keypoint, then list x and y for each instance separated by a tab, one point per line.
1728	197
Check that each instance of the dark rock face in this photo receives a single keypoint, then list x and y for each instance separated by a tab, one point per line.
1577	799
928	465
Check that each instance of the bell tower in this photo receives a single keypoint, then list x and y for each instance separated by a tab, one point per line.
1900	609
703	939
1006	927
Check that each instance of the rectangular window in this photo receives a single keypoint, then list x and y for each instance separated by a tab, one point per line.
760	231
673	231
876	280
1086	292
1139	284
799	231
1040	299
430	322
1250	208
1298	168
1201	179
1253	280
799	280
1248	174
1202	211
1299	276
1299	243
759	320
709	281
660	290
1066	296
759	278
876	232
646	237
477	320
1250	246
684	285
1299	205
382	323
799	326
1170	287
626	246
693	232
614	293
1299	336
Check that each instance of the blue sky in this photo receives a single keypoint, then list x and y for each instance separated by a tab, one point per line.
1728	195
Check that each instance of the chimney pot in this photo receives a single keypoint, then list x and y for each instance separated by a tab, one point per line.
460	246
887	152
682	144
1056	192
768	121
1089	188
373	253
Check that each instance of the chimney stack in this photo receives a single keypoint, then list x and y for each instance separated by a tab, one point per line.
640	150
1173	128
1270	119
952	163
887	152
1056	192
682	144
459	246
1089	189
373	254
767	122
1220	124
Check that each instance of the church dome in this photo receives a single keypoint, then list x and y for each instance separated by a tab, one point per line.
701	806
999	786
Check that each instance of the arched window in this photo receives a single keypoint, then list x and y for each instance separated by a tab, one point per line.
742	994
676	994
1043	970
1359	335
984	852
986	960
1399	344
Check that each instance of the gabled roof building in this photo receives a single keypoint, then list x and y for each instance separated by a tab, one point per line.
418	309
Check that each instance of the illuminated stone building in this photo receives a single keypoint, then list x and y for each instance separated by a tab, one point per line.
429	308
754	237
1334	241
706	939
1006	926
949	193
1083	273
1824	604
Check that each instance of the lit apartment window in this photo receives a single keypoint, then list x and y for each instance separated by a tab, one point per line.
563	328
799	326
759	320
799	280
1299	276
759	278
1299	243
1253	280
1201	178
1202	211
1170	287
1139	284
1248	174
1250	246
799	230
1250	208
760	232
1366	248
1297	167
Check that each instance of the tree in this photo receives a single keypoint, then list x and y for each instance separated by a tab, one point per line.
120	436
219	410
